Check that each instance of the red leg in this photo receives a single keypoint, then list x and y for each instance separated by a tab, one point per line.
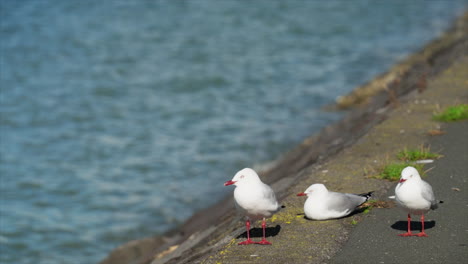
409	228
422	233
264	241
248	241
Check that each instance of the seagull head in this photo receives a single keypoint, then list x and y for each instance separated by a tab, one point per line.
243	176
409	173
317	188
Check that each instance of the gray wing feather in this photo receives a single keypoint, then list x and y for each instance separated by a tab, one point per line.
344	201
428	194
269	194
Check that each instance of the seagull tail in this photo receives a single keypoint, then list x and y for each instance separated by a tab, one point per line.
436	204
366	195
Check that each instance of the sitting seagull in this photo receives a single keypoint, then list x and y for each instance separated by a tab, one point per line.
415	196
322	204
254	199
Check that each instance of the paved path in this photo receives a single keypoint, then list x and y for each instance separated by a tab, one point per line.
375	240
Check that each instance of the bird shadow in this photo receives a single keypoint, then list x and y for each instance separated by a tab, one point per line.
258	232
357	211
415	225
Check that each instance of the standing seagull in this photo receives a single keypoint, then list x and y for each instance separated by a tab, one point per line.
254	199
322	204
415	196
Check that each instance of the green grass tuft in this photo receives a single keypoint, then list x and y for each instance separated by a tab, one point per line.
417	154
367	210
392	171
453	113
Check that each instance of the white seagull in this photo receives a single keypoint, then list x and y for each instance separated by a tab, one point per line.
415	196
254	199
322	204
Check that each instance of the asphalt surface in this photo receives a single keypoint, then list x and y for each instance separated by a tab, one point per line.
375	240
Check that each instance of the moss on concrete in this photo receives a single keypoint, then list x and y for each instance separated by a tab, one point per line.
453	113
420	153
392	171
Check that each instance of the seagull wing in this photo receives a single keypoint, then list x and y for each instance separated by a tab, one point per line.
343	202
270	197
428	194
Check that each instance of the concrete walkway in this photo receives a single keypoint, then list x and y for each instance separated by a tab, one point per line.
375	240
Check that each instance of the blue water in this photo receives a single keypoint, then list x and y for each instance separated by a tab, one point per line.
120	119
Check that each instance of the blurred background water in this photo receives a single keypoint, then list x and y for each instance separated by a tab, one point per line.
120	119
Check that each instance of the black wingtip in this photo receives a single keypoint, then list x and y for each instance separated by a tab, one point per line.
283	206
367	195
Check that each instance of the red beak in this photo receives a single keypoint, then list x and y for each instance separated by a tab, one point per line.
301	194
402	180
229	183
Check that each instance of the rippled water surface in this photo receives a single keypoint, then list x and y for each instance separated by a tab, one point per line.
119	119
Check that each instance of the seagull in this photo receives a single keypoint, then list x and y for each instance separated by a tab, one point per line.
254	199
322	204
415	196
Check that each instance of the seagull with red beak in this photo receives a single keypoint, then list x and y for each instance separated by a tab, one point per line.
254	199
322	204
415	196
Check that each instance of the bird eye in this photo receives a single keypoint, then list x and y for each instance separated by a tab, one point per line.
242	176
